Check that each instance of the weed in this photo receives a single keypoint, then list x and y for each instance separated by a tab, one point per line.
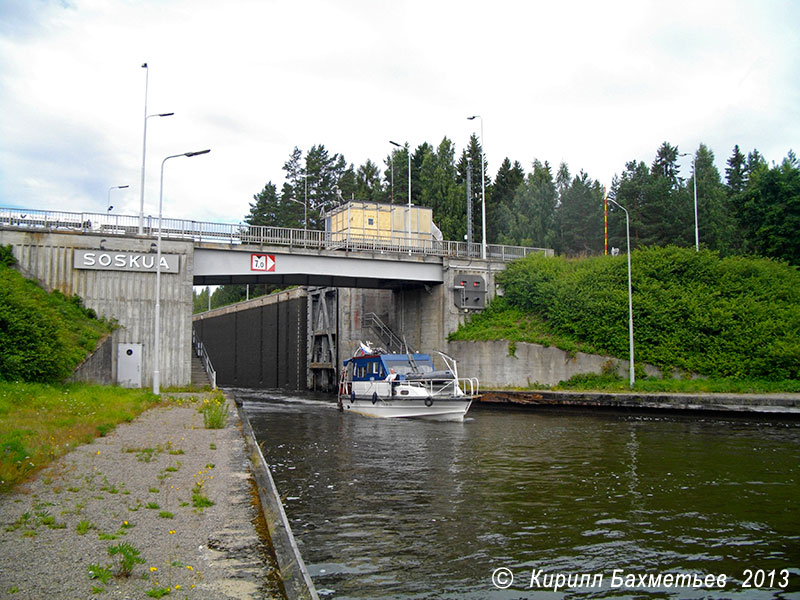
212	446
165	514
158	592
199	499
83	527
99	572
126	557
152	505
215	412
106	536
154	490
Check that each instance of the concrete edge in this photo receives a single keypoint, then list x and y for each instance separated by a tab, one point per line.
780	405
296	580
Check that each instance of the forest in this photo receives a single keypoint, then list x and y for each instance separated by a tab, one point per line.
754	209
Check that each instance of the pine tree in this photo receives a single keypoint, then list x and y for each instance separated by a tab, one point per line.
735	172
500	219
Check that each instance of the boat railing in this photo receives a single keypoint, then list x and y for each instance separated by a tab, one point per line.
447	386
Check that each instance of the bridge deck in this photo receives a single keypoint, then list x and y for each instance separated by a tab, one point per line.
239	234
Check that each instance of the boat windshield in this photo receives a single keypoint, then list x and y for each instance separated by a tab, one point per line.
403	366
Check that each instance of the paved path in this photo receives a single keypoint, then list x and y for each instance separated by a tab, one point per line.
136	486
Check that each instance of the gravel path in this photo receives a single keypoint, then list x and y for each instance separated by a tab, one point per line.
136	486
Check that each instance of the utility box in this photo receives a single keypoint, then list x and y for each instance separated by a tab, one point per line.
469	292
129	365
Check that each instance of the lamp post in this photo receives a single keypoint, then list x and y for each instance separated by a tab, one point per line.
408	211
113	187
694	181
483	190
157	334
630	291
144	146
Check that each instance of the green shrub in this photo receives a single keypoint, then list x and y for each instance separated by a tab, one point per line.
735	317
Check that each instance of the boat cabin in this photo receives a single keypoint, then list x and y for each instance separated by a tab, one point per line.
375	367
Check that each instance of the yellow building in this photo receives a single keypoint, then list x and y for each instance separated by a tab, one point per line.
394	224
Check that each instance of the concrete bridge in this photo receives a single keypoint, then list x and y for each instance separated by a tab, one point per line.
422	288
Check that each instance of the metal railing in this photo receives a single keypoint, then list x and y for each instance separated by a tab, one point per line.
200	352
385	335
255	235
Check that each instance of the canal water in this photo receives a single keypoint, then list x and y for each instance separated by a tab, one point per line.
522	503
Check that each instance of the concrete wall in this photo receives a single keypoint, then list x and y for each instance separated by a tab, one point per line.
495	368
98	366
126	296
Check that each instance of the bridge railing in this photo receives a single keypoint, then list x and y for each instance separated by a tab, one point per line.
239	233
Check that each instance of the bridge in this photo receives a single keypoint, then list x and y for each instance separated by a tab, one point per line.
431	284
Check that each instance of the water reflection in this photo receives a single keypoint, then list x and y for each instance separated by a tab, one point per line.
416	509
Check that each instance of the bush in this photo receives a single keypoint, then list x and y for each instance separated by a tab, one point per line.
722	317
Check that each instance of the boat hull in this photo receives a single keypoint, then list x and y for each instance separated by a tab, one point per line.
445	409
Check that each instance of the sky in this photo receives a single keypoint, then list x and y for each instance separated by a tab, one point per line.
592	84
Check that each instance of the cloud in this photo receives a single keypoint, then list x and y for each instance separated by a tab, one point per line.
591	84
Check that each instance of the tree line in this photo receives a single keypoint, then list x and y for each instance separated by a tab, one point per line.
754	209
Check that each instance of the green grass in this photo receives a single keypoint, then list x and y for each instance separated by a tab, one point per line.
611	383
40	422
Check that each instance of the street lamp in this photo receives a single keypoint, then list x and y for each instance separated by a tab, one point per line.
630	290
156	340
113	187
408	212
144	146
483	191
694	181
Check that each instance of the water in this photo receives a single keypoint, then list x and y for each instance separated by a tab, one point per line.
417	509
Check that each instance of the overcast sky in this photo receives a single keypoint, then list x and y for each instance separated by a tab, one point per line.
593	84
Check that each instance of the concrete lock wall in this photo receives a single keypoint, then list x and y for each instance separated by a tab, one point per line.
125	295
496	367
260	343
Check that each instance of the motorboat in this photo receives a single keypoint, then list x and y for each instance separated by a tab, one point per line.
376	383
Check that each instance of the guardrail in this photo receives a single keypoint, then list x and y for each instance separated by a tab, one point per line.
255	235
200	352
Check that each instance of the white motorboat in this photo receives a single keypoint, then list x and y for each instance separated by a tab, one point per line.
378	384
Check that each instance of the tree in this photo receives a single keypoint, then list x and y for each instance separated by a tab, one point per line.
500	219
266	210
714	215
439	191
735	172
368	182
769	209
665	165
580	216
534	207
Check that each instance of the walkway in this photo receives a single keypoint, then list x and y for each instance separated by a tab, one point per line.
136	486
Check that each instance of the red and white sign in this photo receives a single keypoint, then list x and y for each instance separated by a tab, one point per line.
262	262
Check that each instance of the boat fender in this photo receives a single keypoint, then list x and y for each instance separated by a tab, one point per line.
428	402
374	397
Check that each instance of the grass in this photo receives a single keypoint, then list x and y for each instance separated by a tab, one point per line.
39	422
612	383
215	411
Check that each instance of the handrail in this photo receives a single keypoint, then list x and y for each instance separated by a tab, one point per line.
256	235
374	322
200	352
